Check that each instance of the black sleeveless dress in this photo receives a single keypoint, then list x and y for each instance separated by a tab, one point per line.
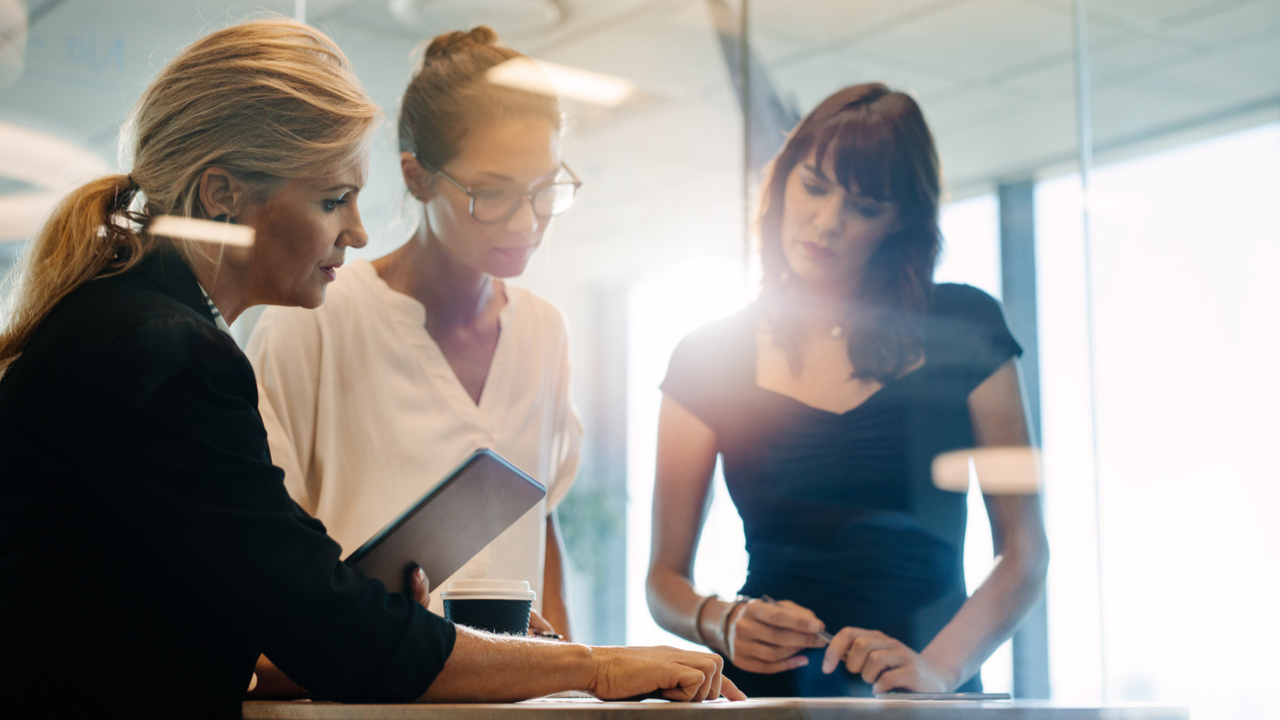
839	510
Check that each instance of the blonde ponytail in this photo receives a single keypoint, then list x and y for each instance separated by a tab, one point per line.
269	100
60	260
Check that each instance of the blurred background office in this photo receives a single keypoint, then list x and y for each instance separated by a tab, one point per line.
1113	175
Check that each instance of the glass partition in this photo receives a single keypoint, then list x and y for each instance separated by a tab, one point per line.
1112	169
1183	229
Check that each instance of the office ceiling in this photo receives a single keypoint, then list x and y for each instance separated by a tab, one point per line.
995	77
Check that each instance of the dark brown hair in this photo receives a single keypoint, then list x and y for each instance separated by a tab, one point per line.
449	95
879	144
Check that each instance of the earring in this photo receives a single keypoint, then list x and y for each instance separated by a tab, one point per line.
224	218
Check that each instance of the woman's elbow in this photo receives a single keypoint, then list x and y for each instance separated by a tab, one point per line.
1033	560
1028	556
655	584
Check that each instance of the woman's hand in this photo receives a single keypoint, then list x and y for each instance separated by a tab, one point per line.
884	662
765	637
420	587
541	627
270	682
680	675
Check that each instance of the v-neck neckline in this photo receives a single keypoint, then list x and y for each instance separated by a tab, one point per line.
833	413
414	318
755	382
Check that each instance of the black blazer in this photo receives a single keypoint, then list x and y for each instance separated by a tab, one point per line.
148	549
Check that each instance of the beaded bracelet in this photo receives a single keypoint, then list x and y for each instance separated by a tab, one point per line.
697	618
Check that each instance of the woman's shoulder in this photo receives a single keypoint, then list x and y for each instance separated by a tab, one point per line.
957	300
958	311
167	345
710	367
540	319
967	327
108	311
724	334
118	355
536	310
714	347
124	337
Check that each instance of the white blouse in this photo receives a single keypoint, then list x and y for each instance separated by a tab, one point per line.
365	415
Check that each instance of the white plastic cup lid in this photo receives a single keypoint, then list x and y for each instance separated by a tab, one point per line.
488	590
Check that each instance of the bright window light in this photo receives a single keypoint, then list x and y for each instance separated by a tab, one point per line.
662	311
1183	290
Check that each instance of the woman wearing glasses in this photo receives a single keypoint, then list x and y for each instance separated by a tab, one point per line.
426	354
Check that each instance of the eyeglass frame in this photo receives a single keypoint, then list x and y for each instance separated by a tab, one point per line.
521	197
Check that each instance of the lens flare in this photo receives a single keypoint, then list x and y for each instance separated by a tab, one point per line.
219	233
999	470
570	83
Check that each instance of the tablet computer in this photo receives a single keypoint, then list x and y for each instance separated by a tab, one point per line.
446	527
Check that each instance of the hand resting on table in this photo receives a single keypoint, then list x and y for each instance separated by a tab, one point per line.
884	662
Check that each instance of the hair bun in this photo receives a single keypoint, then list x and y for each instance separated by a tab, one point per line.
458	41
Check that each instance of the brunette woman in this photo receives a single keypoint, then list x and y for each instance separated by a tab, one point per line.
828	399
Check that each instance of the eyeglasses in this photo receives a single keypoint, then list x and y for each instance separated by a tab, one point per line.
496	203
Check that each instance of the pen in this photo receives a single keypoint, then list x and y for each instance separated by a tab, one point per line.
822	634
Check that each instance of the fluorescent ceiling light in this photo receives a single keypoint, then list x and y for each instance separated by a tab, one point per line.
509	18
13	40
21	214
570	83
44	160
50	163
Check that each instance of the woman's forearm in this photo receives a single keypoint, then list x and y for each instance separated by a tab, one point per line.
998	412
992	613
673	601
687	450
554	608
555	612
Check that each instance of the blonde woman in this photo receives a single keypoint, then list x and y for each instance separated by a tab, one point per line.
428	353
149	552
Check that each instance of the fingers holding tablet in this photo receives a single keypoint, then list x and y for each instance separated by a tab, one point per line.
420	586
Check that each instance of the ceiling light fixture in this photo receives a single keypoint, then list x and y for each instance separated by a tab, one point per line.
567	82
51	164
511	19
13	40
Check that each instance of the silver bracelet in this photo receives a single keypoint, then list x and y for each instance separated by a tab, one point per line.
722	624
697	618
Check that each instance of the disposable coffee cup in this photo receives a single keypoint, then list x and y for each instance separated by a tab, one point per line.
498	606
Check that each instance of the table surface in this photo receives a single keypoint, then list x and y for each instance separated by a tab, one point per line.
754	709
